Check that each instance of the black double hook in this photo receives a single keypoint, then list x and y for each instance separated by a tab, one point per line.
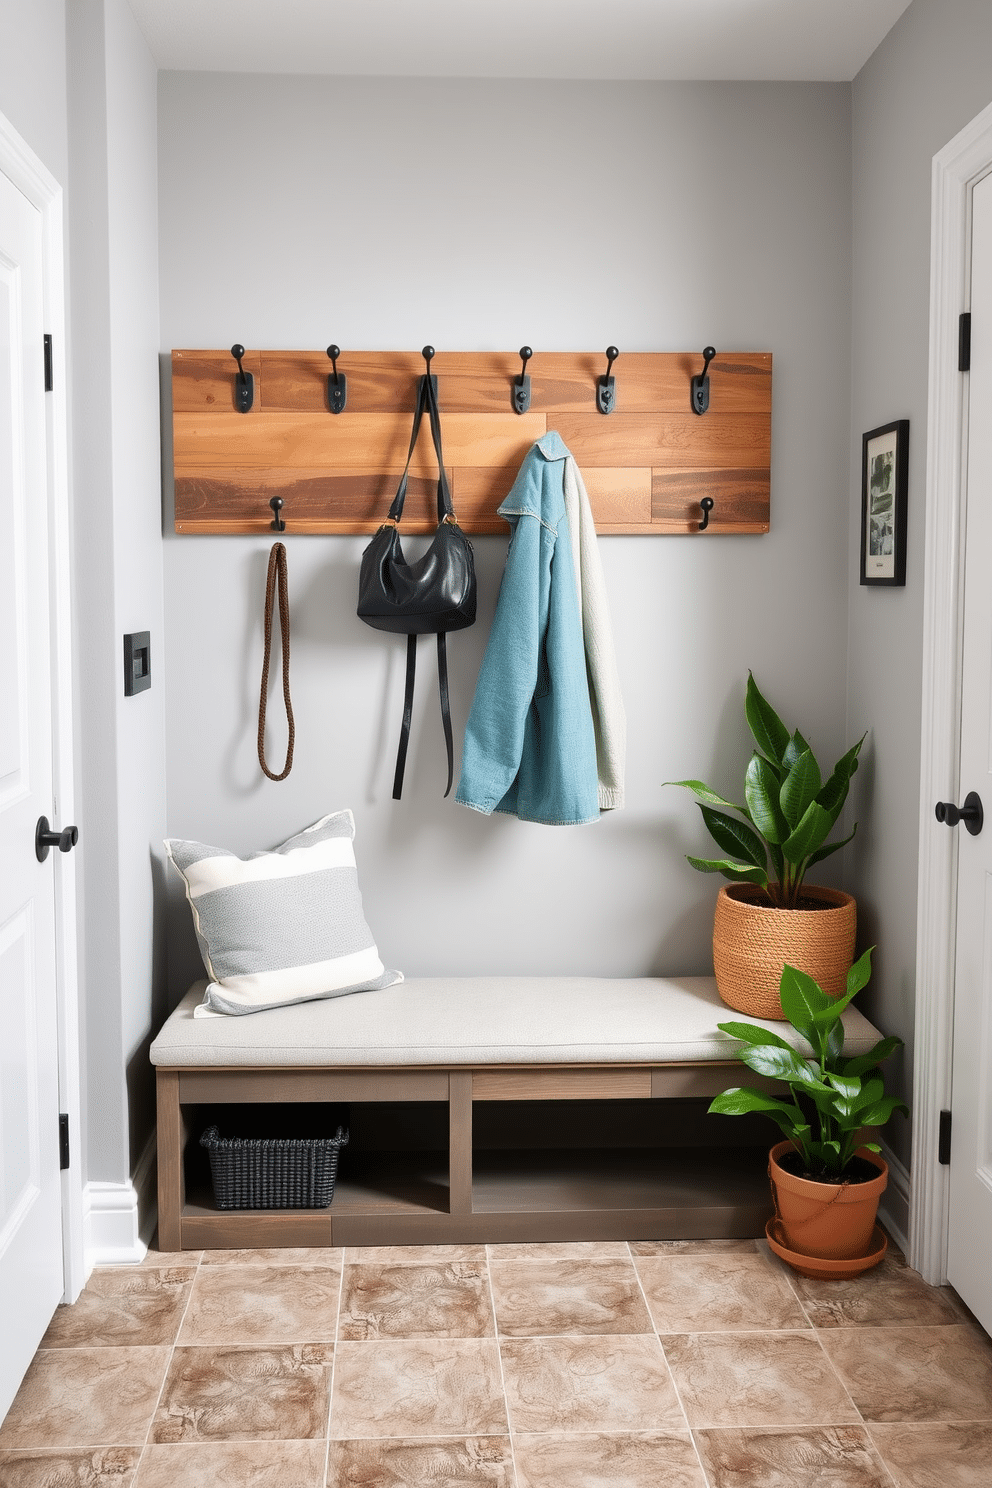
277	524
337	383
244	383
606	387
520	391
700	396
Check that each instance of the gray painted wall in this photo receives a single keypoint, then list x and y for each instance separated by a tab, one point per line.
32	77
928	79
384	214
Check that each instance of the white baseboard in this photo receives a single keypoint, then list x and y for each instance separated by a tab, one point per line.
893	1210
119	1218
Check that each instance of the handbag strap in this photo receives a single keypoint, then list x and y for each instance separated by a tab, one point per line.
426	402
442	682
276	579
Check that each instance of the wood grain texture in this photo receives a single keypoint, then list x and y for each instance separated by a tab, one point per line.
249	1086
646	465
171	1184
563	1084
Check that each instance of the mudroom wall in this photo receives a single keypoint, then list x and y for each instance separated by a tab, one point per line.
384	214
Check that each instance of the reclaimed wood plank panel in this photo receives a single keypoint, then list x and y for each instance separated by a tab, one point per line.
679	441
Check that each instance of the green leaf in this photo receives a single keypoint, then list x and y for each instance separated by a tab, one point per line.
734	836
748	1033
835	1048
742	1100
770	733
734	871
799	790
801	1000
808	834
796	746
849	1086
761	791
834	792
878	1115
859	974
706	794
830	848
860	1063
779	1064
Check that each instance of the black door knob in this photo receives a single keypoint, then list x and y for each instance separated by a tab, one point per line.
970	813
45	840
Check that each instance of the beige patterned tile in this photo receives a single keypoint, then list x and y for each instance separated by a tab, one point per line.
262	1304
717	1293
838	1456
290	1255
155	1257
133	1305
84	1467
889	1296
561	1250
418	1388
415	1255
245	1394
85	1397
567	1296
756	1379
603	1384
452	1462
599	1460
692	1247
257	1464
957	1455
915	1374
432	1301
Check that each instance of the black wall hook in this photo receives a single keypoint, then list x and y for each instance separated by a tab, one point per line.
707	506
244	383
277	524
701	383
520	392
427	352
337	383
606	387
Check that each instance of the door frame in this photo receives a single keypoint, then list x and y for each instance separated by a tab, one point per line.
21	165
956	169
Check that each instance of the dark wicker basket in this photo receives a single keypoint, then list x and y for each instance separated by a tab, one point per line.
273	1173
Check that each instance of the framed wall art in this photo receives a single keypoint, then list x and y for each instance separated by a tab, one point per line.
884	479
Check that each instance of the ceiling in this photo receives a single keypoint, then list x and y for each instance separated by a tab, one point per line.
800	40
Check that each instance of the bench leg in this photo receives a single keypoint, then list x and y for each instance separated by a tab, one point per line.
460	1142
171	1182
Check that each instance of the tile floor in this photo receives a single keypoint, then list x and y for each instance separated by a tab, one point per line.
649	1365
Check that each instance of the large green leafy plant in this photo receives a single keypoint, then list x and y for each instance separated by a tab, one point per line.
832	1097
789	809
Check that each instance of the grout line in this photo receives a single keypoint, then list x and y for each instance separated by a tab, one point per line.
165	1376
334	1364
499	1357
671	1374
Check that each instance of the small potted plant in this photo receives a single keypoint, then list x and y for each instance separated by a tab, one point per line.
768	915
826	1182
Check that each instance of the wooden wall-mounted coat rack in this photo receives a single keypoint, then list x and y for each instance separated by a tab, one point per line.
649	465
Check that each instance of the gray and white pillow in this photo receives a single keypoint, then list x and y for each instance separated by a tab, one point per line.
282	926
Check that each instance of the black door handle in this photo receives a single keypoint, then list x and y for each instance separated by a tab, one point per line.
970	813
45	840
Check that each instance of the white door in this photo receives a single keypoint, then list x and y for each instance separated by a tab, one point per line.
970	1231
31	1273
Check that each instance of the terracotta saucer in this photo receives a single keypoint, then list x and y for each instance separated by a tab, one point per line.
820	1269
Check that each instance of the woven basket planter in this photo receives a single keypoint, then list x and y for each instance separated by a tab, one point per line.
752	942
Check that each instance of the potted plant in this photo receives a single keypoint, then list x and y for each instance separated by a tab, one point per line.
826	1182
769	915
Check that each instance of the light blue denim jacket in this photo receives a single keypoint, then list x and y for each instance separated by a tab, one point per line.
530	748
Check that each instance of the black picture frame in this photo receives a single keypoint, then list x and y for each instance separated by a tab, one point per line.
884	483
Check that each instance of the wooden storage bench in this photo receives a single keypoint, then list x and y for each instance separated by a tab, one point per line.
458	1042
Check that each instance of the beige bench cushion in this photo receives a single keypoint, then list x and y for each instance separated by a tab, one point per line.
480	1020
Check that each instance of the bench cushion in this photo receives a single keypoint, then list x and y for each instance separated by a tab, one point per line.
446	1021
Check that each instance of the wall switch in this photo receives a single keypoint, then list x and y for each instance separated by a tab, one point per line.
137	662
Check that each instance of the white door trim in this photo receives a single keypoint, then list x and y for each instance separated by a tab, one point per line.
955	170
20	164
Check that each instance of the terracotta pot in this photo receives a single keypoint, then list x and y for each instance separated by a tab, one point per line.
827	1221
752	942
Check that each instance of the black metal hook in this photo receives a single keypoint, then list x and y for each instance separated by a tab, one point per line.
707	506
701	383
337	383
427	352
606	389
277	524
244	383
520	392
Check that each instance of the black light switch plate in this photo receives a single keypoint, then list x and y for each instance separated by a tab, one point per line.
137	662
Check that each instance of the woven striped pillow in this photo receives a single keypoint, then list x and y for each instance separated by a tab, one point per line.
282	926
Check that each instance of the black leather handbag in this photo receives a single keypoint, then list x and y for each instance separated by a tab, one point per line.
431	596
